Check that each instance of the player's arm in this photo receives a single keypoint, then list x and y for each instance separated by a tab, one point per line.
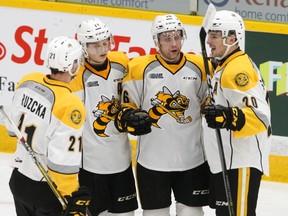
247	114
64	154
65	143
244	92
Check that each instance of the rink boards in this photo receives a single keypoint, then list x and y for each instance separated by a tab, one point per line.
278	157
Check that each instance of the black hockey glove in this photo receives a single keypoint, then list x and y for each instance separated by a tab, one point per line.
78	202
136	122
218	116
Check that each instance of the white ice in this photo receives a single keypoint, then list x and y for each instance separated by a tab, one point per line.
273	197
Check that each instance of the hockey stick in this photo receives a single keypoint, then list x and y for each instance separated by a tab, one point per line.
207	22
33	156
51	184
108	117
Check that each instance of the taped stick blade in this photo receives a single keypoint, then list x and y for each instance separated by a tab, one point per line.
209	17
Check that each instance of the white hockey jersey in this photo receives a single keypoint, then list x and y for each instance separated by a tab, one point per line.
105	150
238	82
51	120
172	94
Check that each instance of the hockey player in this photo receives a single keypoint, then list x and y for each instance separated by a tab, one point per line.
241	110
51	118
106	167
171	86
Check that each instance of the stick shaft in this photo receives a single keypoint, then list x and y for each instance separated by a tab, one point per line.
33	156
108	117
209	16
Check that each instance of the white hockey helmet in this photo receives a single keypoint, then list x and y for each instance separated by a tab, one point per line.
93	30
164	23
62	52
227	21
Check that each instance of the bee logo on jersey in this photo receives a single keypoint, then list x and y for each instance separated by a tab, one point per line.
76	117
105	113
241	79
168	103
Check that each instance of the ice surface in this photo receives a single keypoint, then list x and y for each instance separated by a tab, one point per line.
272	196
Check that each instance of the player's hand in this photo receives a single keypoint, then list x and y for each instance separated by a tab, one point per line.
136	122
218	116
78	202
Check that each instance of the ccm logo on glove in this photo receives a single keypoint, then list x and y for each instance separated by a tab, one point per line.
218	116
78	202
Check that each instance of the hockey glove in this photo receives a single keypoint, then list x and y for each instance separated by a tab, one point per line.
218	116
78	202
136	122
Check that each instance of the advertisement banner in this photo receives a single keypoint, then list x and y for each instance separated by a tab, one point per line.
179	6
269	51
24	41
261	10
26	32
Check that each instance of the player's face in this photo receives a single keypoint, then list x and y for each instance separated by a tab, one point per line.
98	51
170	44
215	41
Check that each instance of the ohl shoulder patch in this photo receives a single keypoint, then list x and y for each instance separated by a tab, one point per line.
241	79
76	116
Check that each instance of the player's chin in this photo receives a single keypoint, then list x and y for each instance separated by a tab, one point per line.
104	56
213	50
174	54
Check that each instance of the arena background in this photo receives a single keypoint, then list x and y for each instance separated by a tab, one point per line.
28	25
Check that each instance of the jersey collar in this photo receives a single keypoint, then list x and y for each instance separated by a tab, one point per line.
229	58
52	82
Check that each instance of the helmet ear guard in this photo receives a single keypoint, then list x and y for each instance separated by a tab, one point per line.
92	31
165	23
61	54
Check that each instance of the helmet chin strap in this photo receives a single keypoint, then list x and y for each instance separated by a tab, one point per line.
228	46
75	73
225	54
